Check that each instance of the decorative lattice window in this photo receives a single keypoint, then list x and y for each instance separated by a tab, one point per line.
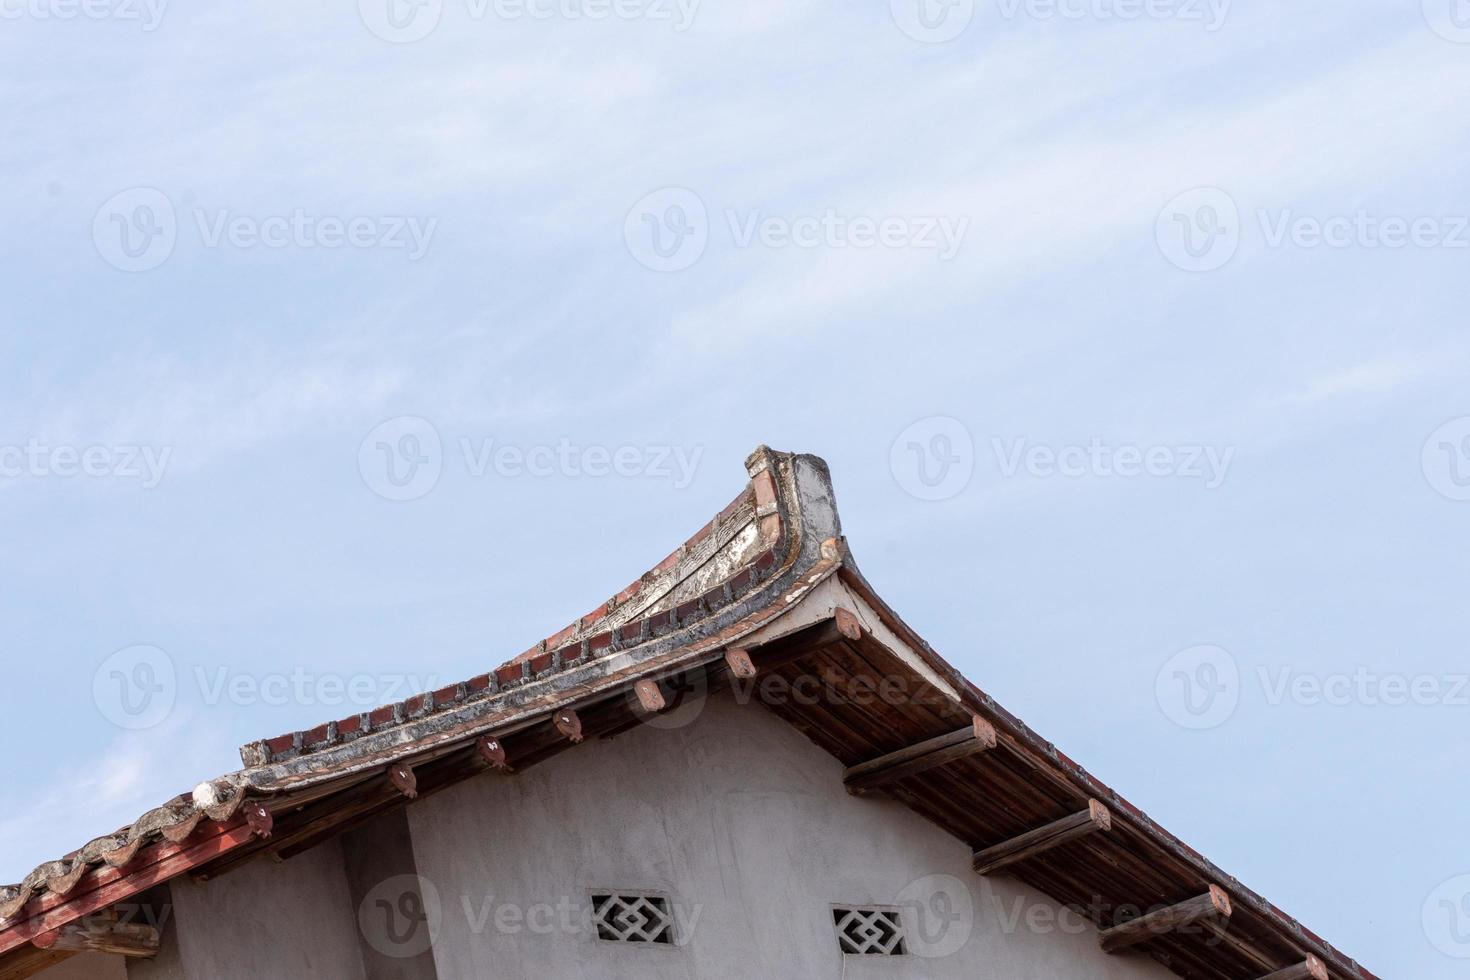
633	919
869	932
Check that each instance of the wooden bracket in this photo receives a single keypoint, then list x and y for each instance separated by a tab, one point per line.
1213	905
259	819
568	724
848	625
402	776
1312	969
1028	845
650	696
740	664
100	935
871	776
493	752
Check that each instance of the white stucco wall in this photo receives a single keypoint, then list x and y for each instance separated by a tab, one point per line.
287	921
745	824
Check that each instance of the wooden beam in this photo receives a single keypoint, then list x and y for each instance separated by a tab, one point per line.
1312	969
568	724
869	777
159	862
401	775
1214	904
493	753
28	961
1095	818
94	935
785	649
847	624
740	664
650	696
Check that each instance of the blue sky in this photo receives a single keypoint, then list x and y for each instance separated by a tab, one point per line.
1031	244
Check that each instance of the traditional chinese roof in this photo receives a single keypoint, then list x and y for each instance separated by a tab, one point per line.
767	590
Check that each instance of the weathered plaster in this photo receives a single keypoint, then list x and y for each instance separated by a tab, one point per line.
745	824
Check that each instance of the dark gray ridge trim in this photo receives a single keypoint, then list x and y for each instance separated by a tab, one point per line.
514	713
809	516
783	466
1090	785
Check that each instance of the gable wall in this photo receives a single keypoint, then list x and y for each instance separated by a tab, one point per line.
745	825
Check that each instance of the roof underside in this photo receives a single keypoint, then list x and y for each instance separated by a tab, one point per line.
771	575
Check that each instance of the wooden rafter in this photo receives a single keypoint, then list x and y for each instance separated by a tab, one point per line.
1028	845
1312	969
1214	904
871	776
106	887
